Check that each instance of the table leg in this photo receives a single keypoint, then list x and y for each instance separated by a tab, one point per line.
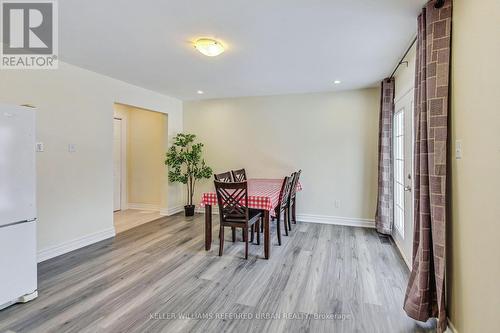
208	227
267	236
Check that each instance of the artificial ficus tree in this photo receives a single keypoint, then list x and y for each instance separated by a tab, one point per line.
185	162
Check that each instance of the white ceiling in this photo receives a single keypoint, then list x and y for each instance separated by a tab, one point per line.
273	46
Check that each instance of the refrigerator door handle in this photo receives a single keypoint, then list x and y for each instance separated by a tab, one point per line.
18	222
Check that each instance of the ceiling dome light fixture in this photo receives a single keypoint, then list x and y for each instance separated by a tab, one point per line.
337	82
209	47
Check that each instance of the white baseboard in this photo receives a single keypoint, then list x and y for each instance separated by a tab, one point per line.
171	210
142	206
337	220
74	244
201	210
324	219
450	328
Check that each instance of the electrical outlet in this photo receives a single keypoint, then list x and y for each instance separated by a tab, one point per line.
336	203
40	147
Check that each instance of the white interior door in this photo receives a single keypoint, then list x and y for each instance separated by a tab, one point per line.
403	174
117	164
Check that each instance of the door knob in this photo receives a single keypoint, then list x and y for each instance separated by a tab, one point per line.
407	188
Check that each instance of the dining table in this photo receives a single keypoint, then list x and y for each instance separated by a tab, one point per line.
263	194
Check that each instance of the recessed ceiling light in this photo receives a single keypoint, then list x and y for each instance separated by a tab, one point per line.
337	82
209	47
200	92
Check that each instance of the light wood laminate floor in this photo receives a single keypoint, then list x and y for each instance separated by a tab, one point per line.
324	278
132	218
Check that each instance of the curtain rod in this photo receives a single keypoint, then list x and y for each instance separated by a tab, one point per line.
438	4
404	56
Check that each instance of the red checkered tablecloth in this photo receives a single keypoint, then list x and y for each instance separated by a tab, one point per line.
262	194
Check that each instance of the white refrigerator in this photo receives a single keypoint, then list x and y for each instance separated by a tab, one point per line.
18	262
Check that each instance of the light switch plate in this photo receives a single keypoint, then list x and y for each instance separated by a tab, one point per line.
71	148
39	147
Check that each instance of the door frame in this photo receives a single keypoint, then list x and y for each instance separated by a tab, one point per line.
123	168
403	242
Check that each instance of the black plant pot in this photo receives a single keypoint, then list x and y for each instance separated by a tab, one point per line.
189	210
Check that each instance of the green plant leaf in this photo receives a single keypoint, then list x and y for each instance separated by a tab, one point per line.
185	162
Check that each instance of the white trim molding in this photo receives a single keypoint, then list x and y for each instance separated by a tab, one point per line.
450	328
171	210
74	244
323	219
201	210
400	249
337	220
123	158
143	206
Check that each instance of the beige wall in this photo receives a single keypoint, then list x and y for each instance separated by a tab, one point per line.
474	237
146	146
75	190
332	137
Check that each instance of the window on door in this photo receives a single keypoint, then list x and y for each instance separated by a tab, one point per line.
399	171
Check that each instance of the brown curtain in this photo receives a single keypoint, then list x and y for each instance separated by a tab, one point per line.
385	213
425	294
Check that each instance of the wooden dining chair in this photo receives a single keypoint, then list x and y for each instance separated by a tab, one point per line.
292	201
227	178
224	177
239	175
282	207
232	199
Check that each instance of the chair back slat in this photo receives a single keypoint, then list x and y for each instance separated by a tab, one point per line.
232	199
293	190
239	175
224	177
285	193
